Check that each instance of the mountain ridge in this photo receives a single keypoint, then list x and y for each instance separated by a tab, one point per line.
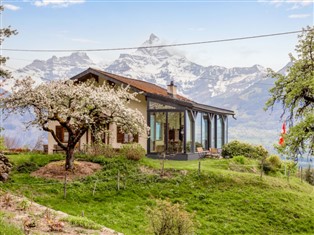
242	89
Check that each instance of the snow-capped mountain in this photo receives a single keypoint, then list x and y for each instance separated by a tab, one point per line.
244	90
57	67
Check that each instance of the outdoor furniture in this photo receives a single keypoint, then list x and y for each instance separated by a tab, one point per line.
214	152
201	152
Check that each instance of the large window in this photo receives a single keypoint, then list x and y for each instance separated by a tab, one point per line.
220	131
166	132
175	132
198	130
189	132
157	131
213	131
205	131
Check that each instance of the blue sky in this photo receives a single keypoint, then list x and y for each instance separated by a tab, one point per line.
63	24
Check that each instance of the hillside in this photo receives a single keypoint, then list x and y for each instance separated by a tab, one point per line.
224	201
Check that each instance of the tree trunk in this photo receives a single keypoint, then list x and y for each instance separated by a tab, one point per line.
69	158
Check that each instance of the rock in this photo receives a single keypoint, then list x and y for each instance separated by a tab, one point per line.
5	167
4	176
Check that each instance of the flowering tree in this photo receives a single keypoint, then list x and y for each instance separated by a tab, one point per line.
77	107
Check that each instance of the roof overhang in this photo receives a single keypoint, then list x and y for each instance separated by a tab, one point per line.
94	73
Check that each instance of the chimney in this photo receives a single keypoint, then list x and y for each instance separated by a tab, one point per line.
172	89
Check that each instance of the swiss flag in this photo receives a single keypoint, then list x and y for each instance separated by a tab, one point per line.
283	128
283	132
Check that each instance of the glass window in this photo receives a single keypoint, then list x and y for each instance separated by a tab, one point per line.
213	132
205	131
175	132
198	130
189	132
155	105
219	131
157	130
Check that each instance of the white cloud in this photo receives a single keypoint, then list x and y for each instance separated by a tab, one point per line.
299	16
11	7
57	3
295	4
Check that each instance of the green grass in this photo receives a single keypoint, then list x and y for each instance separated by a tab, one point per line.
82	222
224	201
7	228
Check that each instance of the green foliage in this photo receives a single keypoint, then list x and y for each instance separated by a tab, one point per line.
239	159
9	229
2	144
99	148
295	93
290	165
237	148
169	219
133	151
82	222
27	167
272	164
309	176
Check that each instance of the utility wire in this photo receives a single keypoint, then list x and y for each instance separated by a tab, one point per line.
157	46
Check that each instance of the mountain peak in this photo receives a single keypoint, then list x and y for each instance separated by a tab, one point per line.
153	38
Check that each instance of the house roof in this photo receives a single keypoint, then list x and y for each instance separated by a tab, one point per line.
150	90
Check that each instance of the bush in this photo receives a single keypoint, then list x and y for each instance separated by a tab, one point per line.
309	176
272	164
167	218
239	159
97	149
133	151
27	167
237	148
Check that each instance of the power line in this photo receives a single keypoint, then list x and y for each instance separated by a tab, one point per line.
157	46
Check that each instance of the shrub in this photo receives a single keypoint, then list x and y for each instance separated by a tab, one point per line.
167	218
133	151
309	176
239	159
98	148
27	167
272	164
237	148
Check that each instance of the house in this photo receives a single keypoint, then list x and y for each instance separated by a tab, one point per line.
177	124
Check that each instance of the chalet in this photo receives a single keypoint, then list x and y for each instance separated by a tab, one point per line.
177	124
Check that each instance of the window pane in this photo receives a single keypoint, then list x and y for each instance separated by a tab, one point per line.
189	124
175	132
198	130
157	130
205	131
219	131
155	105
212	132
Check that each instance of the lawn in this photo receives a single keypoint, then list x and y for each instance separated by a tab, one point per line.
224	201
